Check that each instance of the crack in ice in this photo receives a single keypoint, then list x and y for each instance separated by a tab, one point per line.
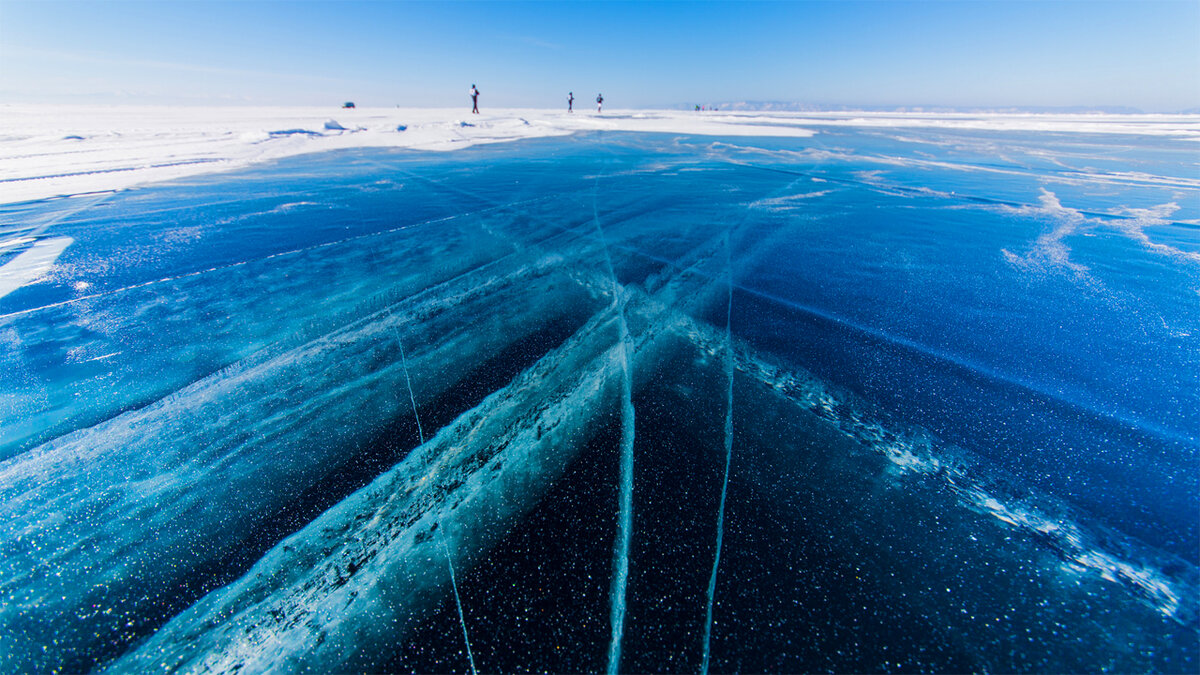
408	381
712	580
624	538
457	600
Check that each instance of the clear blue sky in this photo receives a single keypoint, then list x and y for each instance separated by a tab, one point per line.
1139	53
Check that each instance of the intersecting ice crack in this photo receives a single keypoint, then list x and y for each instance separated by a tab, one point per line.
300	595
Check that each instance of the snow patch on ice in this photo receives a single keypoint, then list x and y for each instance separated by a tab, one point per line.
12	243
1138	220
1050	249
31	265
788	203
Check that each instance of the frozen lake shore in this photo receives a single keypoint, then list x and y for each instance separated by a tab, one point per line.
60	150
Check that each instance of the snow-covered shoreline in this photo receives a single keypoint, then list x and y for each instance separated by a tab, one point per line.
59	150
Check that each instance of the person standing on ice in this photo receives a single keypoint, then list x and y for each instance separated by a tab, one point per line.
474	99
599	102
570	100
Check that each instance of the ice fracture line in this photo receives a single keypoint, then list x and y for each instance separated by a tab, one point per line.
457	601
712	580
625	497
408	380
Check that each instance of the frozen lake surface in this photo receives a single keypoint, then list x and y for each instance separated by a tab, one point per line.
933	392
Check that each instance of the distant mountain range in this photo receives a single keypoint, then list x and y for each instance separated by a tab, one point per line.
793	106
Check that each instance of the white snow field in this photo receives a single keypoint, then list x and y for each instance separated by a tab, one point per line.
57	150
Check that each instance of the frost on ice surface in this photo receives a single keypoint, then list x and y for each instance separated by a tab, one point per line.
613	401
31	264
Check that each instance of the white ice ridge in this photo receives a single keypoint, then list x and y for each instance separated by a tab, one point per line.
1080	546
55	150
364	572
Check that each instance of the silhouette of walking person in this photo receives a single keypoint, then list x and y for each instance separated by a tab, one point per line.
570	101
599	102
474	99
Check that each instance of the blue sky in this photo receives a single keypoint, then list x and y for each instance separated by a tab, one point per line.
1138	53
